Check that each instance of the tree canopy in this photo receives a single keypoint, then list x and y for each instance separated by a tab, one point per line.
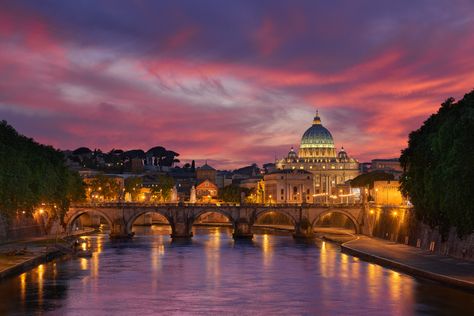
162	190
439	167
33	175
104	187
132	186
232	193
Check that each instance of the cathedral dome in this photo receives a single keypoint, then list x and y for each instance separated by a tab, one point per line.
342	155
317	141
292	154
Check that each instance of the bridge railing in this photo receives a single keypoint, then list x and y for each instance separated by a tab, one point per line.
209	205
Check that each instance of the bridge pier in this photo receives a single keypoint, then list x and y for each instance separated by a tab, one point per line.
119	230
242	230
181	230
303	229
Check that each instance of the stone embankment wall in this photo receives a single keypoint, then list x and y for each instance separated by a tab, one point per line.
400	225
19	228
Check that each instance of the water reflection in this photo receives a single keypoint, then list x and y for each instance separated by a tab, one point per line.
272	275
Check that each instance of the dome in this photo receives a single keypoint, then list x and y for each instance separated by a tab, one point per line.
292	154
342	154
317	141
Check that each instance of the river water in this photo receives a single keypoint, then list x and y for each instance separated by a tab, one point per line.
212	274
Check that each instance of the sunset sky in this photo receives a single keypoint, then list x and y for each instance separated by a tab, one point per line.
233	82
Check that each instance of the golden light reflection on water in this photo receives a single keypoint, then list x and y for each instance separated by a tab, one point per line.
395	285
267	250
40	283
213	255
23	286
157	251
374	273
84	264
99	244
327	262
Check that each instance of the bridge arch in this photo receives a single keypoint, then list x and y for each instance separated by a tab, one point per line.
217	211
348	214
260	213
136	215
76	214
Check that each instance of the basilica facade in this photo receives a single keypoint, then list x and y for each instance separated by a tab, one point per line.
317	155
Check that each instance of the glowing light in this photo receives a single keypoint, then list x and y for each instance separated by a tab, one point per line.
23	286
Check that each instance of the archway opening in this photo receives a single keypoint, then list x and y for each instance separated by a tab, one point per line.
274	219
89	220
335	222
213	224
150	223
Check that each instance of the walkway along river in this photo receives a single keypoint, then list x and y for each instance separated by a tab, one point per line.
271	275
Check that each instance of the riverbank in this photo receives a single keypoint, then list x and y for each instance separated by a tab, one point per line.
413	261
17	257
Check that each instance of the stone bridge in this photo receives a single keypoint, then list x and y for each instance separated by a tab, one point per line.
182	216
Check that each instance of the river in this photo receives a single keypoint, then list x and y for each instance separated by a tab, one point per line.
212	274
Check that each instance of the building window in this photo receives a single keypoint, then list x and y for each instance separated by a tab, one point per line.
282	192
295	190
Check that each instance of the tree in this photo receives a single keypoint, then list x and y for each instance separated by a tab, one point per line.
34	176
162	190
104	187
232	193
164	158
438	168
132	186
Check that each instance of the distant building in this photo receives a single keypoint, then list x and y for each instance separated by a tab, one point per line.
184	179
364	167
269	168
223	179
206	172
391	166
248	171
206	190
289	186
250	183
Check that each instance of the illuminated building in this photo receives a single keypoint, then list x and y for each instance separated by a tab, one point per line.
289	186
317	155
387	193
